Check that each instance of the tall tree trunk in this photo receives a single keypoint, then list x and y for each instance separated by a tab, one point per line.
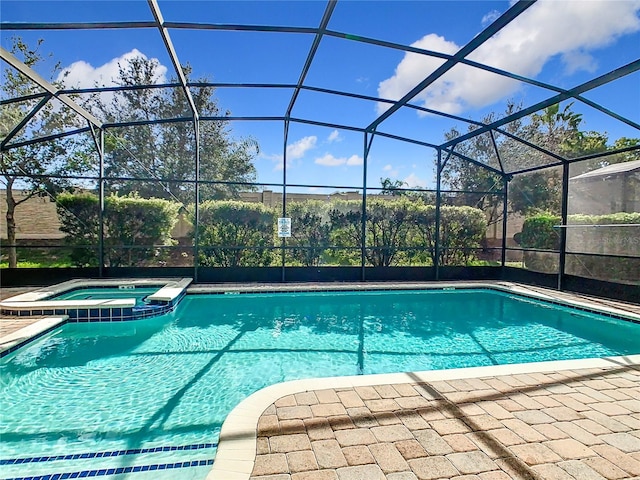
11	225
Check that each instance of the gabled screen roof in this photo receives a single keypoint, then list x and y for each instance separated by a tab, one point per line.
408	71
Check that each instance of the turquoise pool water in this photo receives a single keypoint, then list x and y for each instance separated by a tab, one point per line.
154	393
106	293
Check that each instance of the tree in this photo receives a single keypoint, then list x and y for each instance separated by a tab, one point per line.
392	187
624	142
536	192
555	130
462	231
595	142
35	169
165	152
469	178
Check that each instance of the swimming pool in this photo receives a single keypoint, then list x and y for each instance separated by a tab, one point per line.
115	397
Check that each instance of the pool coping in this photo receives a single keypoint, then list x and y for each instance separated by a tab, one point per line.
15	340
550	296
170	289
44	292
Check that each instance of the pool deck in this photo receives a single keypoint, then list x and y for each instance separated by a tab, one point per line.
575	419
578	423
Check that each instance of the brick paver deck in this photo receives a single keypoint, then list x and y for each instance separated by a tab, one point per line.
574	424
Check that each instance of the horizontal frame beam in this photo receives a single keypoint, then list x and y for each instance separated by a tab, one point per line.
590	85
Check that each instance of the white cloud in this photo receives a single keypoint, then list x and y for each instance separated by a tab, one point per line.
81	74
490	17
355	160
549	28
414	68
334	136
329	160
413	181
364	81
578	60
389	168
276	158
298	148
295	151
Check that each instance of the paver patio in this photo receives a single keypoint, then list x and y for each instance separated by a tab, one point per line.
573	424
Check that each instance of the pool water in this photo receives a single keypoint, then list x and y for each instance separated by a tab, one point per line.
155	392
139	294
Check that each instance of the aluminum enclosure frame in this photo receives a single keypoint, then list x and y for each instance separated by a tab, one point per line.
369	132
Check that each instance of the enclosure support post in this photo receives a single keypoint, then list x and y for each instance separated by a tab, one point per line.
284	195
367	148
363	226
563	222
436	263
505	192
196	229
101	205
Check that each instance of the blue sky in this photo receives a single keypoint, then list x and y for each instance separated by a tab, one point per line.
560	42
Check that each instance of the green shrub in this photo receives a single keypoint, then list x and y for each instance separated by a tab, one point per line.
309	233
79	220
140	223
236	234
132	227
402	231
538	232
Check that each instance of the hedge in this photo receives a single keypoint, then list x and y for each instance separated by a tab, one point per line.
236	234
402	231
462	230
538	233
310	235
387	229
132	227
399	231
